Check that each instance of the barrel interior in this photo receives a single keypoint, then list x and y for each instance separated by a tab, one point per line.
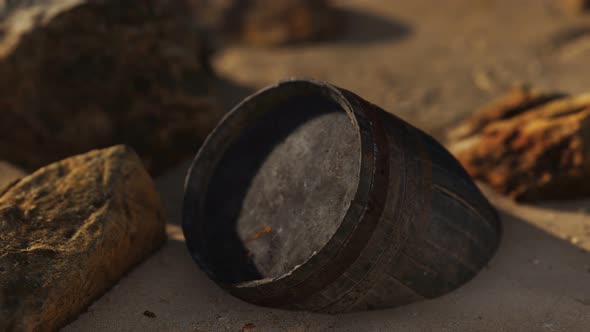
280	190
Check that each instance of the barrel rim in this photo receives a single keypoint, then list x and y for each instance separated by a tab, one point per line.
197	180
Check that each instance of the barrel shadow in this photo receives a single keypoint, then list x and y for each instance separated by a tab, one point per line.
362	27
580	205
533	274
532	269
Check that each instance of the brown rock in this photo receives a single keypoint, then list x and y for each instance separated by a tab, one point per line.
69	231
515	102
82	74
268	22
542	153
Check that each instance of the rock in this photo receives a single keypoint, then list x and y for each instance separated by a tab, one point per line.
541	152
69	231
77	75
573	6
515	102
268	22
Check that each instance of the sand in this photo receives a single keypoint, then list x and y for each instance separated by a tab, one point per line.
431	63
538	281
9	173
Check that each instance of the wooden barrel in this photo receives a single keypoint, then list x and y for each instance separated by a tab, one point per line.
308	197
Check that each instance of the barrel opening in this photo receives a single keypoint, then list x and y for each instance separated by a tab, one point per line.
280	188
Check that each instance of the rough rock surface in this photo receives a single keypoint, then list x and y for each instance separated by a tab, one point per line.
82	74
268	22
69	231
541	152
518	100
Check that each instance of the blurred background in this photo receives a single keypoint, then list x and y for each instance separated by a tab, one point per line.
157	75
430	62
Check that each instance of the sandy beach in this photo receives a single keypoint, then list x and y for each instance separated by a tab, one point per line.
538	281
431	63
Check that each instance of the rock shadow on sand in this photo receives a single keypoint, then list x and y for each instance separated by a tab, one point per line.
363	27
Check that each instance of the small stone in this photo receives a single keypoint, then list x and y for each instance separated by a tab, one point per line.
149	314
535	150
81	74
69	232
248	326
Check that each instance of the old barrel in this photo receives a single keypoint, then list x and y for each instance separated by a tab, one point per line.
307	197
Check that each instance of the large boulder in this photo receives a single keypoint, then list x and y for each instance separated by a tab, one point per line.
539	152
69	231
82	74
